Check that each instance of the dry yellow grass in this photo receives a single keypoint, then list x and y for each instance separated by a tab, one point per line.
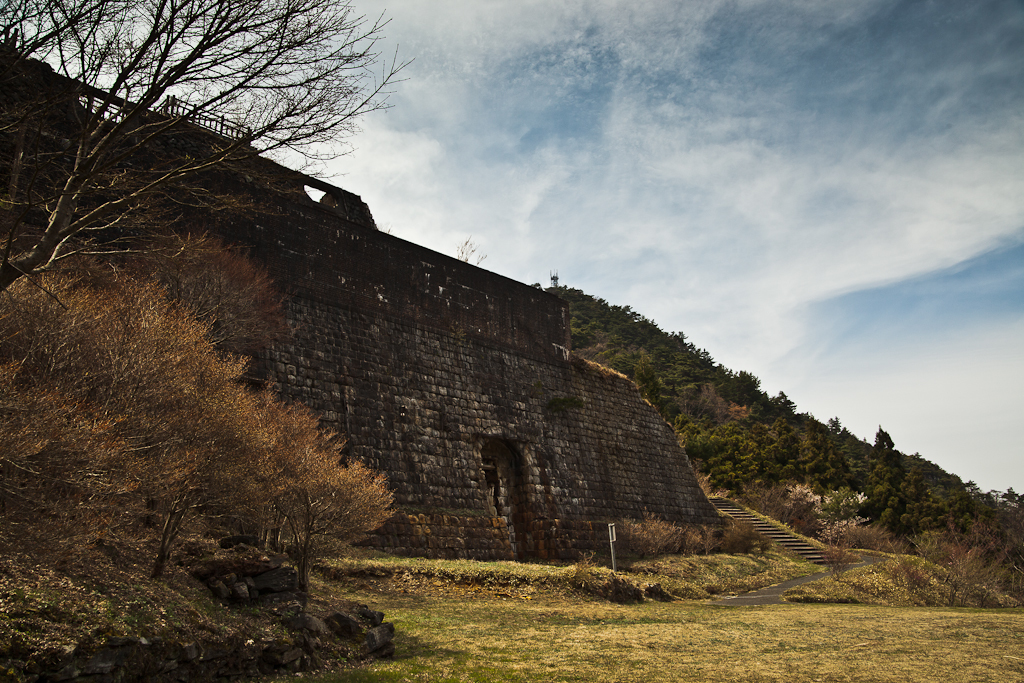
597	368
550	638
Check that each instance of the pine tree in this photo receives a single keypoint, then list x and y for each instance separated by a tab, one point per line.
649	383
824	468
886	502
923	511
781	458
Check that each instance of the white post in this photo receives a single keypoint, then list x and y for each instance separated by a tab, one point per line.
611	543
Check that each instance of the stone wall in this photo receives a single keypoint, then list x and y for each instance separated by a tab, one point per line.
438	411
456	382
333	254
459	384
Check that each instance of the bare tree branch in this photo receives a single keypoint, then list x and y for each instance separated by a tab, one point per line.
129	78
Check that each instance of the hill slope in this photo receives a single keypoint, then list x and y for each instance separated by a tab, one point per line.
733	430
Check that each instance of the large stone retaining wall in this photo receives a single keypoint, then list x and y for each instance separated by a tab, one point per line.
459	384
456	382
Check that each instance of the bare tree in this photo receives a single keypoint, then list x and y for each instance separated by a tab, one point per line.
325	503
97	127
115	406
972	562
705	402
234	297
31	25
838	557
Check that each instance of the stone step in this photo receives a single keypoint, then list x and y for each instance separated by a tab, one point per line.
778	536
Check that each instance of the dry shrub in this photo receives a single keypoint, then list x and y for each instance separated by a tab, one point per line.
115	348
909	571
117	409
700	539
794	504
654	536
708	537
620	590
741	537
693	541
873	538
56	457
232	296
704	481
581	363
705	402
582	574
971	571
325	504
838	558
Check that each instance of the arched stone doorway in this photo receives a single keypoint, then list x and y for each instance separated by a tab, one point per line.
502	479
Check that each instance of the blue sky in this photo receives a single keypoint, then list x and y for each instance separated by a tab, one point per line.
827	194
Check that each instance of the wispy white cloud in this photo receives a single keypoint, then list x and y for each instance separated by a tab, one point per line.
723	167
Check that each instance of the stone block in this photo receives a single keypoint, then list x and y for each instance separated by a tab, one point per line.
278	580
240	591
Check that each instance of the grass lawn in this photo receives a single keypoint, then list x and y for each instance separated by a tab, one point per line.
479	636
502	621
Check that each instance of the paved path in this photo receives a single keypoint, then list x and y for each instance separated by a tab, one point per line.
772	595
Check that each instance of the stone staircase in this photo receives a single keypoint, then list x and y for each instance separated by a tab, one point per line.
779	536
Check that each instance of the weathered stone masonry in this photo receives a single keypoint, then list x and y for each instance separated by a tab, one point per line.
456	382
459	384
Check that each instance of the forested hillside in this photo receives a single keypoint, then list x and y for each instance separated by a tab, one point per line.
741	437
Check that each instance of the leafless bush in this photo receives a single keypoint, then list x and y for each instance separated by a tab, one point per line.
706	403
838	558
220	287
117	348
771	501
325	503
742	537
692	543
709	537
467	252
653	536
582	574
56	457
967	560
115	406
908	572
794	504
873	538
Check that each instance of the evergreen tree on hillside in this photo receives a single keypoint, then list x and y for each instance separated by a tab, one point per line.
962	510
617	336
924	512
736	432
725	453
854	450
781	453
647	381
886	502
823	467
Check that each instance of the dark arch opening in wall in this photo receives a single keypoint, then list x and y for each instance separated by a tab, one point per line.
502	467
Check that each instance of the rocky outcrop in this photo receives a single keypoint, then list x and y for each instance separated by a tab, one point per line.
243	577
